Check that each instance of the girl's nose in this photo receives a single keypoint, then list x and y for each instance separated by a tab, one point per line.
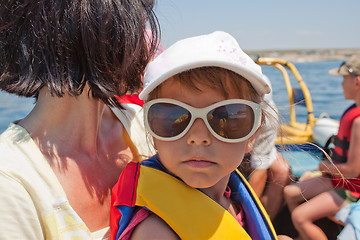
199	134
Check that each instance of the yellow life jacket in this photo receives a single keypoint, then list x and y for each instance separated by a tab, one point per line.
188	211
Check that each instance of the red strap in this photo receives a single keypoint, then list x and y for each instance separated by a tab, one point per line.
126	99
124	192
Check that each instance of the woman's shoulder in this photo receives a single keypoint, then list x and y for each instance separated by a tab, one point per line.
15	143
21	161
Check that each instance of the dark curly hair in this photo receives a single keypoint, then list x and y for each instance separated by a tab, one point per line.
66	44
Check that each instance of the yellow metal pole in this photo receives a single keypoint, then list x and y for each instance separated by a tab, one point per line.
305	90
289	90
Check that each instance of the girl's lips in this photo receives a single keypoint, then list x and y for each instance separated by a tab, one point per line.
199	163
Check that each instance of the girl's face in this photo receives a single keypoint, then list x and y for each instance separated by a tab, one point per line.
198	158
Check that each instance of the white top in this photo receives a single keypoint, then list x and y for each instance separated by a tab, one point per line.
33	204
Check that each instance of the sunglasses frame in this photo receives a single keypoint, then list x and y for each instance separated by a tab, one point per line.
202	114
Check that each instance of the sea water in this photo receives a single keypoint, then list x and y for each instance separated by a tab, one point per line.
325	90
13	108
327	99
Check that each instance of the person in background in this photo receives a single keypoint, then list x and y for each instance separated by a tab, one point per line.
339	182
192	182
270	172
59	164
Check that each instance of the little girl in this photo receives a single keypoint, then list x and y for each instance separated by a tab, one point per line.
202	108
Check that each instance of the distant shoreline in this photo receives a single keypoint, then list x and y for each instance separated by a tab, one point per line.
306	55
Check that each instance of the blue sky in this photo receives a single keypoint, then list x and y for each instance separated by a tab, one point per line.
264	24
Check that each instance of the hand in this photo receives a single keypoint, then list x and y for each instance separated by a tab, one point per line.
310	174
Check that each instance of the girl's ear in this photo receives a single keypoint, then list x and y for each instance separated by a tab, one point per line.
250	143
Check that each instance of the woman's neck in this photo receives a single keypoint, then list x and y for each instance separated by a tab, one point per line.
70	122
85	148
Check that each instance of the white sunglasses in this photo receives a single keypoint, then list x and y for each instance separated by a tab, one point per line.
233	120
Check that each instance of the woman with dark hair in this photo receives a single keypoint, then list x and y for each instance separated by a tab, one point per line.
59	163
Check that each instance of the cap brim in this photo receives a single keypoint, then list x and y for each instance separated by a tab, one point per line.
342	71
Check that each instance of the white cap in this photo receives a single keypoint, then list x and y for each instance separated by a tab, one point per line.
218	49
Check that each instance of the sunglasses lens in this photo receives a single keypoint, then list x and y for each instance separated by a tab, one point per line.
168	120
232	121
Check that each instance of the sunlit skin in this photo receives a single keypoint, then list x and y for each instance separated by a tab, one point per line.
198	158
86	155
